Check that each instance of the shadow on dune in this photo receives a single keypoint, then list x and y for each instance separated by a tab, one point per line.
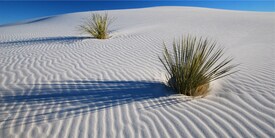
68	39
60	100
27	22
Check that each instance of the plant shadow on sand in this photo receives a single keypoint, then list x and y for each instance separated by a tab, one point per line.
65	40
61	100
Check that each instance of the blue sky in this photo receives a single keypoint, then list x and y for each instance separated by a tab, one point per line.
14	11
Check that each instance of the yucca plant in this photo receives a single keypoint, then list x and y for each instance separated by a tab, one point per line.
97	25
193	64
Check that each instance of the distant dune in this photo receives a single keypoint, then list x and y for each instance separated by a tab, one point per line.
56	82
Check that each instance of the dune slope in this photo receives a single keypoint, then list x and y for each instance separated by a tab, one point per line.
56	82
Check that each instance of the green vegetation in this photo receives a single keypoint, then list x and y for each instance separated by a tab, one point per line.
194	63
97	26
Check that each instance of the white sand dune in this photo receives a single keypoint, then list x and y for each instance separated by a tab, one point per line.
55	82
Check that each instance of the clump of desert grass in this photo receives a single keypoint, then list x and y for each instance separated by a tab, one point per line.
97	25
193	64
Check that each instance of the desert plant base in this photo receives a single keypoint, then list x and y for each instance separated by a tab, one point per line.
102	37
201	90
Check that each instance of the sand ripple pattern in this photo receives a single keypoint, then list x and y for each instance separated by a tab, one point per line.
57	83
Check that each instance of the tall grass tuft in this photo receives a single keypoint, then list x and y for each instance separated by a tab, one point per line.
193	64
97	25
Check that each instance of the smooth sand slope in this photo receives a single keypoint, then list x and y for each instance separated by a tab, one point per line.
55	82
